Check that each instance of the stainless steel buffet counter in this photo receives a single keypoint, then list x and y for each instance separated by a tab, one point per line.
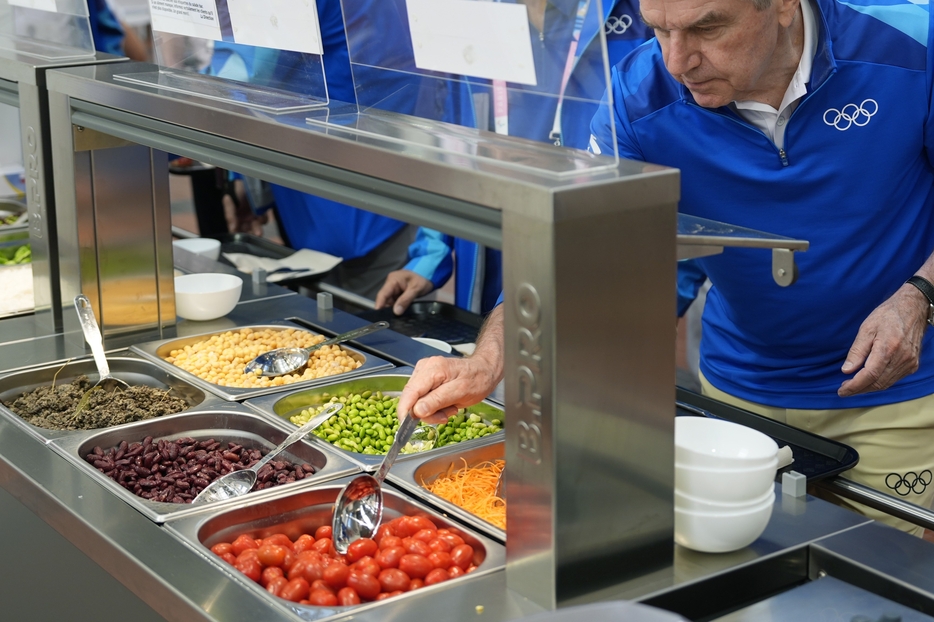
151	571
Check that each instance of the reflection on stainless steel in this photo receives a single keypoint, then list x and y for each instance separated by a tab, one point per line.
133	370
157	352
224	425
899	508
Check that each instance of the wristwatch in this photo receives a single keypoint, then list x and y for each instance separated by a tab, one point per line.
928	290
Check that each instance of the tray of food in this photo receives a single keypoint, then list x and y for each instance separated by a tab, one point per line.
815	457
433	320
460	482
215	361
44	400
280	547
158	466
13	216
365	428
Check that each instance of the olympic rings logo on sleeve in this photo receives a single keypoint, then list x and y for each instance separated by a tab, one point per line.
910	482
851	114
617	25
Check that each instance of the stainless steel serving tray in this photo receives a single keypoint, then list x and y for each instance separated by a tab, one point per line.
408	475
156	350
391	383
230	422
300	512
134	371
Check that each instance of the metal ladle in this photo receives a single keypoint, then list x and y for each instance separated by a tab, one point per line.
359	508
92	335
238	483
286	360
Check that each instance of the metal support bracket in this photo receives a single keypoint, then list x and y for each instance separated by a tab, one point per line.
784	268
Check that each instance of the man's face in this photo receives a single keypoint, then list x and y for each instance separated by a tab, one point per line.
721	50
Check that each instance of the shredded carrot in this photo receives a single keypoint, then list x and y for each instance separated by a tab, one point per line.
473	488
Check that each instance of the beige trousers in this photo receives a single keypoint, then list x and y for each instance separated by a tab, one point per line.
895	443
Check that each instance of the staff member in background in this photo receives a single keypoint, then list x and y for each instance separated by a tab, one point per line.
811	119
574	72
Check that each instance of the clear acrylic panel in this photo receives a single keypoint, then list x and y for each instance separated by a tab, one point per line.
52	30
533	70
262	54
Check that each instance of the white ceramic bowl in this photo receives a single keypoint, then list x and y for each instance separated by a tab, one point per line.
725	485
206	296
437	344
205	247
724	532
718	444
698	504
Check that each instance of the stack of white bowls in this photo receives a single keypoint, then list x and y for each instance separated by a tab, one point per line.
724	474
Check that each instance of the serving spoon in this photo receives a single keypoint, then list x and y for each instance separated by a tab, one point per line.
92	335
238	483
359	507
286	360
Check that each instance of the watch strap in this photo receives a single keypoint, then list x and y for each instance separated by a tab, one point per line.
927	289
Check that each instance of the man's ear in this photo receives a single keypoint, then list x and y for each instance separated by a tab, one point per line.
787	9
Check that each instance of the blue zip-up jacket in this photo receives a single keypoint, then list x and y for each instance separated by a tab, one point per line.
105	29
479	275
855	178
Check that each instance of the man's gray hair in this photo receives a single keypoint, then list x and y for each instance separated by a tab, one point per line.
762	5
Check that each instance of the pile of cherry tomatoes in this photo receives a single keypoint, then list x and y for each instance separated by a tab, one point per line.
406	553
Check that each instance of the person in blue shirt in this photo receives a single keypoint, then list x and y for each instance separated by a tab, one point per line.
478	269
106	31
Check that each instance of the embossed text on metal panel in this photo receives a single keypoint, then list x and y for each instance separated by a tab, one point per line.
529	313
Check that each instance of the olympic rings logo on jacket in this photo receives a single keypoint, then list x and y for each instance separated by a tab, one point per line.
851	114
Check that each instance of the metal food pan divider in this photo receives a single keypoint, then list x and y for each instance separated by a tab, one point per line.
135	371
225	424
815	457
408	476
294	512
155	351
392	382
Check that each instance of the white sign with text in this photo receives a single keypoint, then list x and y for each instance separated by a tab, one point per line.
191	18
279	24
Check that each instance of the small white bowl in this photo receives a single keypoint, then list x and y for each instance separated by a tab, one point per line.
697	504
206	247
724	485
721	533
718	444
206	296
437	344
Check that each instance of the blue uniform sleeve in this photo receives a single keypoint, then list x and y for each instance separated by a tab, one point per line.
690	279
105	29
431	256
499	300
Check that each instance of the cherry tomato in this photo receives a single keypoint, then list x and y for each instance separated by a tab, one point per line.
438	544
365	585
295	590
314	569
425	535
297	569
348	596
385	595
323	532
258	541
456	571
438	575
335	575
383	531
303	543
322	545
462	555
393	579
289	559
251	568
440	559
415	547
272	554
416	566
366	565
222	547
278	538
319	584
275	586
451	538
470	569
229	558
269	574
389	542
422	522
403	526
248	554
389	558
416	583
323	598
242	543
363	547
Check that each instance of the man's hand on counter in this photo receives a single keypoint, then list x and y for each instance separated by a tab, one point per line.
441	385
401	288
888	345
